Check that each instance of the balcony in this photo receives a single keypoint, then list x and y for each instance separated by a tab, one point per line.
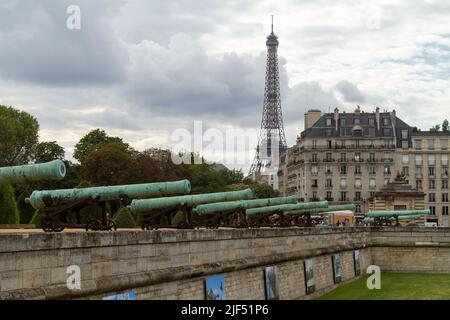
372	160
344	199
314	199
373	173
431	162
358	173
328	186
387	160
314	160
342	187
358	160
342	160
387	173
419	175
329	160
329	199
342	172
372	187
358	199
329	173
314	173
444	175
314	186
358	186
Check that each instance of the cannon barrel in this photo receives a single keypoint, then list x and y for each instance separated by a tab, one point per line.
40	199
190	200
384	213
242	204
340	207
287	207
53	170
410	217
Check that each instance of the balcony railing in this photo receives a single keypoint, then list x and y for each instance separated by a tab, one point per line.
372	160
329	199
329	172
387	160
344	199
358	172
329	160
314	199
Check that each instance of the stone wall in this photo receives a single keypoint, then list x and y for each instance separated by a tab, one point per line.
174	264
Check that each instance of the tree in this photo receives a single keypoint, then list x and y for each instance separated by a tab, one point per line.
205	179
48	151
9	214
435	128
445	125
18	136
93	141
109	165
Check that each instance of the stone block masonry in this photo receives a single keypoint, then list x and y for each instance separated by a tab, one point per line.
174	264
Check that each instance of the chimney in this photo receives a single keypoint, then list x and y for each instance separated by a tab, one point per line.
377	118
393	118
311	117
336	118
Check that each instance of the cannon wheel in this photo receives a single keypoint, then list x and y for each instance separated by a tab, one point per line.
93	225
47	224
110	225
58	228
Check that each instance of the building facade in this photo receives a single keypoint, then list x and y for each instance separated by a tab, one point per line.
347	157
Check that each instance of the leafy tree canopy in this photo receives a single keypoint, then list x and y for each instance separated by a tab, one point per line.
18	136
95	140
48	151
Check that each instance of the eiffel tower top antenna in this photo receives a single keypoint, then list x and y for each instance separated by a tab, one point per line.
272	24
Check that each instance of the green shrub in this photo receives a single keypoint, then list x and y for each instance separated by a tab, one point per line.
9	213
124	218
36	218
26	210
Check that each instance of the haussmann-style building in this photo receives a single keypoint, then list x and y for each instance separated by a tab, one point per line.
347	157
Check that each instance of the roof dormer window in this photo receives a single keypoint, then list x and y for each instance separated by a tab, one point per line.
328	122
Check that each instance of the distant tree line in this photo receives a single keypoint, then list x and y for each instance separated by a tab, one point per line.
102	160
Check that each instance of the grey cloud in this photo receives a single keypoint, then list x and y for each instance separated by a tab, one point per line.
350	92
38	47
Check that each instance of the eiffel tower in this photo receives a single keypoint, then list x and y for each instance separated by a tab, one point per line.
272	140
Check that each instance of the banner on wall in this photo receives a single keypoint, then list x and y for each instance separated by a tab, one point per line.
131	295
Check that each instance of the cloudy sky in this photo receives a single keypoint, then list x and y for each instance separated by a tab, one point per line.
144	70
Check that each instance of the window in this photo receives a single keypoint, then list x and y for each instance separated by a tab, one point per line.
343	169
372	183
432	210
431	197
329	195
357	156
343	196
314	157
372	156
371	121
343	157
405	159
386	181
358	196
372	194
328	132
358	183
358	169
314	195
445	197
343	183
385	121
444	172
329	144
343	121
328	156
444	159
432	184
314	183
404	134
444	144
445	210
314	144
356	121
387	143
406	171
358	208
372	132
372	170
329	183
418	171
328	122
418	159
418	144
431	171
387	156
314	170
431	159
387	169
405	144
419	184
386	132
342	143
444	184
431	144
328	169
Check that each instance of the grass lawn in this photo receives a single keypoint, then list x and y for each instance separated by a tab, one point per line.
396	286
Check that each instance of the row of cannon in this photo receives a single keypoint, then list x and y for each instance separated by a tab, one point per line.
158	204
